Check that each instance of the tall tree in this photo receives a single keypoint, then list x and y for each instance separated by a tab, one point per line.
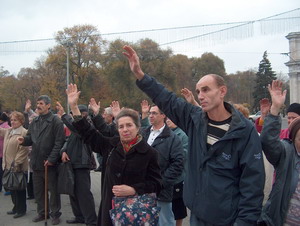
240	87
84	46
208	63
264	77
3	72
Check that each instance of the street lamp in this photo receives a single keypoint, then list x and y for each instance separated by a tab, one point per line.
68	45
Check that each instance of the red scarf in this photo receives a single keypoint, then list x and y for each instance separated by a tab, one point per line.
127	146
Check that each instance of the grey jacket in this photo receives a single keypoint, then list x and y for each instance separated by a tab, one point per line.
223	185
46	138
283	156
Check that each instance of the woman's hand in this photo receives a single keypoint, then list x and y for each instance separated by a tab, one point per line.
277	95
123	190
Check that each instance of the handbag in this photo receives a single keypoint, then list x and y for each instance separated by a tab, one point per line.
65	182
135	210
12	180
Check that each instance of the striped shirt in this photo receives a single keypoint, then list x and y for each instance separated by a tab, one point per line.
216	130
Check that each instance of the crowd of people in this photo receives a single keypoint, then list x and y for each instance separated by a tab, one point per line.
205	156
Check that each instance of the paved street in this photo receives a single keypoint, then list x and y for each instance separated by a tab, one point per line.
8	220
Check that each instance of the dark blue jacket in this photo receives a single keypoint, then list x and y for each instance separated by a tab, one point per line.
223	185
283	156
170	160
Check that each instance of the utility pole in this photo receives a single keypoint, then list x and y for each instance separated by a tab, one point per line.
68	45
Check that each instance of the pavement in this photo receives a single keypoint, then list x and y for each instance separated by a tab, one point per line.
6	205
8	220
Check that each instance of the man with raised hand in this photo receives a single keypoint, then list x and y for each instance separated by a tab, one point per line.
225	173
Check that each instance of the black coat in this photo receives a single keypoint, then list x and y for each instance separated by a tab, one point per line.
46	138
137	168
80	153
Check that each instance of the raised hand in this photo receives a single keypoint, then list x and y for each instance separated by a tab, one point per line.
189	97
134	62
265	106
145	108
73	96
27	105
115	108
277	96
94	106
60	109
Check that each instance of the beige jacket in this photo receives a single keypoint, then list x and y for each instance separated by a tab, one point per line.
12	151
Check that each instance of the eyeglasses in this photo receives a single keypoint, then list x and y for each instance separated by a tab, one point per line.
152	113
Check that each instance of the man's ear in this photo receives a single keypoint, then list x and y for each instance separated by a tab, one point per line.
223	90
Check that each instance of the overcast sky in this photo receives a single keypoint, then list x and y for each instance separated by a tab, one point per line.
37	19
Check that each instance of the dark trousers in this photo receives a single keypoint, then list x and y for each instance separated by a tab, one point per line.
30	192
1	174
39	192
83	205
19	200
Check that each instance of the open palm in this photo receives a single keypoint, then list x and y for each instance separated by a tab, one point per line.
277	94
73	94
94	106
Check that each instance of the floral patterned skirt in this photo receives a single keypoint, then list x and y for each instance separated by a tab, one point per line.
135	210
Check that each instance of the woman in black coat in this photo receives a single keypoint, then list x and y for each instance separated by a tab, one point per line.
132	165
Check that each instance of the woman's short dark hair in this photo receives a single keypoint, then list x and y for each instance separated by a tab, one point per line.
127	112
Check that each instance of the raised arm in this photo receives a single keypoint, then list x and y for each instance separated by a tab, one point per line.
189	97
94	106
277	96
73	96
271	144
145	108
134	62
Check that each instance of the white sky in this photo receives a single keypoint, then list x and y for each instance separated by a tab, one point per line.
37	19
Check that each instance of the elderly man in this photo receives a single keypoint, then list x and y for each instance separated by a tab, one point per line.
46	136
225	173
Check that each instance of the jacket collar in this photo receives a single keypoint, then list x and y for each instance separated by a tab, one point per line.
165	133
17	131
141	146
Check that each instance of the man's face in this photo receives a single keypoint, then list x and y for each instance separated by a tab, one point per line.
42	108
155	117
107	117
209	94
291	116
84	114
